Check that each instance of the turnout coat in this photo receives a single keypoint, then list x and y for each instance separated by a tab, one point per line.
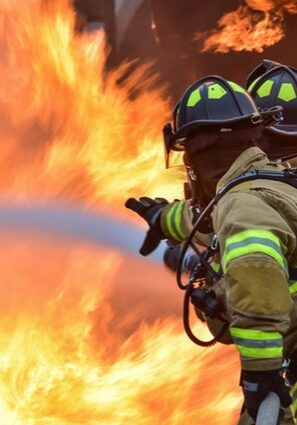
256	225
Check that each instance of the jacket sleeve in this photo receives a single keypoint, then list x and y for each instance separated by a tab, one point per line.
177	223
254	240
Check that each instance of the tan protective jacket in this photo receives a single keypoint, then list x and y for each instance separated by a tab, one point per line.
256	223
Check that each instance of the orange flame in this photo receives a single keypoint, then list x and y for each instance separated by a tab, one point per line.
55	102
67	358
252	27
72	346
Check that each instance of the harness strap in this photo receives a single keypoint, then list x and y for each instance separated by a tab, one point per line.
288	176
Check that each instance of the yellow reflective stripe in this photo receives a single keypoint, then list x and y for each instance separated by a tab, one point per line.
253	343
250	88
287	92
236	87
292	286
215	91
265	88
173	221
194	98
254	333
215	266
169	222
260	353
251	249
253	241
179	217
252	233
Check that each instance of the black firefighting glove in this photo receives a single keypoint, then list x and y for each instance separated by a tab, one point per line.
149	209
257	385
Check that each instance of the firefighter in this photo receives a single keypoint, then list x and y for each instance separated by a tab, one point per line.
217	125
271	84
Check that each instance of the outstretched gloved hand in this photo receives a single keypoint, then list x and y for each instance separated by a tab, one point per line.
257	385
149	209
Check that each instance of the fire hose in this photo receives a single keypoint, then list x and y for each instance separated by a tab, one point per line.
269	410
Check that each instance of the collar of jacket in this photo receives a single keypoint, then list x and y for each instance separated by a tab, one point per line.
249	160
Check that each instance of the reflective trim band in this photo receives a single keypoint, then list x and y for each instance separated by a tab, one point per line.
173	221
287	92
215	266
250	88
292	286
253	241
257	344
215	91
194	98
293	393
265	88
236	87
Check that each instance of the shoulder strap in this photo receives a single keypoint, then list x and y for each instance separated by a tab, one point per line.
288	176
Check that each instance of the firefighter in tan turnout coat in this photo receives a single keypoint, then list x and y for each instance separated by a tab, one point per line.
217	125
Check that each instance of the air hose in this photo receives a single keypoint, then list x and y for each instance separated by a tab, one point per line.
189	288
285	176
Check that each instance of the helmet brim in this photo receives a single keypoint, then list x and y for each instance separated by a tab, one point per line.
221	125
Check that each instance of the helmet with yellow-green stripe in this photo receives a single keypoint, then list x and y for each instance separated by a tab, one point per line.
213	103
271	84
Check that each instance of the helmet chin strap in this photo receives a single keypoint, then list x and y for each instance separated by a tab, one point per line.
197	198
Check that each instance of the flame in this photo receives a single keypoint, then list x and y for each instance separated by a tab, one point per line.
251	27
75	347
67	357
69	130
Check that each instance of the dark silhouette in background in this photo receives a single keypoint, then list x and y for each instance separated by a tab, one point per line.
165	31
